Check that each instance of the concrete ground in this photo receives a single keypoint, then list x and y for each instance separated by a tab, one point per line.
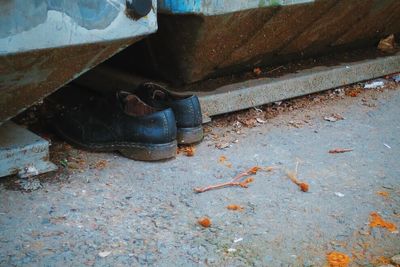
104	210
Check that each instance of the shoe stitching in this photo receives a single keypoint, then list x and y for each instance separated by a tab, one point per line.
165	125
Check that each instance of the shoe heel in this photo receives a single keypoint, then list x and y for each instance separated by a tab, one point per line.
189	135
150	152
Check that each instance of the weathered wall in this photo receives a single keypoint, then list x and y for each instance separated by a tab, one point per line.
188	48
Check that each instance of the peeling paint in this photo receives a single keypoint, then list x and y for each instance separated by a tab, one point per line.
53	23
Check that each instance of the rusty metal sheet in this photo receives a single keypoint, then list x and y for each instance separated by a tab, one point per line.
26	78
46	43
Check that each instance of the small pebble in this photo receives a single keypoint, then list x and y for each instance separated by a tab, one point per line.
104	254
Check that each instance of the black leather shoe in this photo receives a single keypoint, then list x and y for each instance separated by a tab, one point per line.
102	123
186	109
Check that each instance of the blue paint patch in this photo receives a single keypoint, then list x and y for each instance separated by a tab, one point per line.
22	15
180	6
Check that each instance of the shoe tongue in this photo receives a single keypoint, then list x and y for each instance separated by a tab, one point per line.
133	105
158	95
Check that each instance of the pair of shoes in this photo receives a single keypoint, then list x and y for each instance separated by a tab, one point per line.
121	122
186	109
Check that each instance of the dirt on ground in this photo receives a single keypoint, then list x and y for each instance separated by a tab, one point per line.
100	209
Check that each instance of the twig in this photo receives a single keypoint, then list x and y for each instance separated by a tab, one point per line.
340	150
293	177
234	182
246	173
277	68
211	187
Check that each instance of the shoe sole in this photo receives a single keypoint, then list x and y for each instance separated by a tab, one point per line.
189	135
131	150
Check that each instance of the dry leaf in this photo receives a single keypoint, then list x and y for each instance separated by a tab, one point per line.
334	117
260	120
101	164
222	145
296	124
387	45
353	92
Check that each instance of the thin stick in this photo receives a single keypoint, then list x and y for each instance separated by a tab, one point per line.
293	177
277	68
246	173
211	187
234	182
340	150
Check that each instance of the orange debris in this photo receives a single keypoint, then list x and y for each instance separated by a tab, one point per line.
293	177
188	150
304	187
268	169
222	159
234	182
246	182
338	259
377	221
254	170
381	260
257	71
101	164
383	193
234	207
353	92
205	222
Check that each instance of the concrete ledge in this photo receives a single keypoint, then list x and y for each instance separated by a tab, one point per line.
23	152
253	93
